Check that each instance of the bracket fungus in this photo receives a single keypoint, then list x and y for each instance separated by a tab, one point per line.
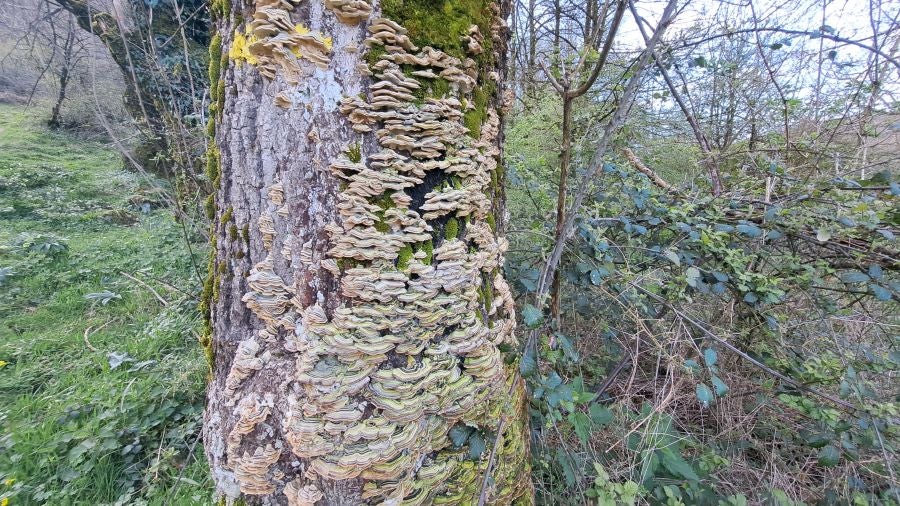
412	346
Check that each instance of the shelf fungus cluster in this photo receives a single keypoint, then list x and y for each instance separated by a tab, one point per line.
412	349
273	43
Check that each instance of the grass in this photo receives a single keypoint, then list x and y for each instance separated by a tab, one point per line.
101	384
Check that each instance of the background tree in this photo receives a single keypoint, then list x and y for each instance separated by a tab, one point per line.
160	48
360	326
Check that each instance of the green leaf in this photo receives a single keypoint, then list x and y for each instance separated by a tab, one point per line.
600	414
672	256
568	468
596	278
582	425
875	271
692	275
829	456
704	395
710	357
476	446
459	433
692	366
719	386
528	364
818	439
854	277
532	316
749	229
880	292
823	235
675	464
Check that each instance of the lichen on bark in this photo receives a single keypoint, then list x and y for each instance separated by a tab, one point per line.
363	328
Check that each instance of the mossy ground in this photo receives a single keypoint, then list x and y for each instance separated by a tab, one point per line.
116	416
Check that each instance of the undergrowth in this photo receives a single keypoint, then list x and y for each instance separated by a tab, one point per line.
102	384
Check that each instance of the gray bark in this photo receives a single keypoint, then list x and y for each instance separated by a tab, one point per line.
290	268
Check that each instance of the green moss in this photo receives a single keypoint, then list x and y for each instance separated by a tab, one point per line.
442	23
404	256
211	128
245	233
210	207
428	248
347	263
227	215
475	117
233	232
440	87
491	222
220	8
220	98
374	54
451	229
384	201
215	62
212	166
487	293
382	227
354	153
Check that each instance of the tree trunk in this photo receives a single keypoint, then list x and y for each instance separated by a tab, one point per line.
359	318
149	97
565	158
53	122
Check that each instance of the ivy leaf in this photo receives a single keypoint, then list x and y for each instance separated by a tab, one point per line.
532	316
887	234
829	456
553	380
704	395
710	357
718	385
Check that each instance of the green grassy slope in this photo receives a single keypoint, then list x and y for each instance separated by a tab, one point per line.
101	384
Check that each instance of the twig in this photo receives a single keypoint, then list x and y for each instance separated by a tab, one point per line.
647	171
787	379
88	332
145	285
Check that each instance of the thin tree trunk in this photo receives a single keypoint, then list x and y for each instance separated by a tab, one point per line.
54	122
565	158
357	307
